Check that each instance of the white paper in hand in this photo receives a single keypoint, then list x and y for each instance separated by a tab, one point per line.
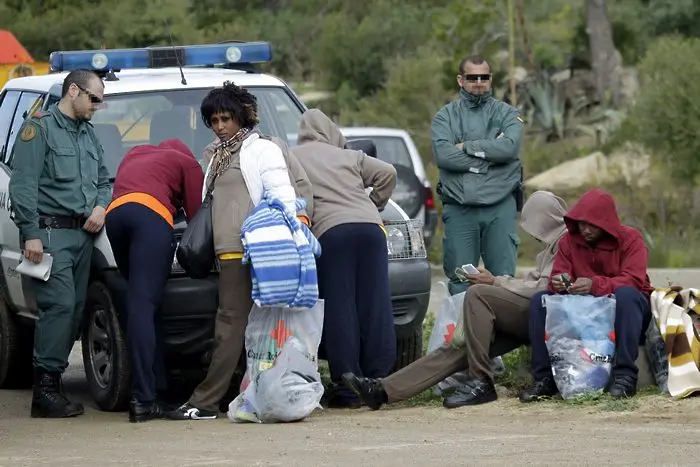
37	270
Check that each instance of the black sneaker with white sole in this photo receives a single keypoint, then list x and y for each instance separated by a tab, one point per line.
190	412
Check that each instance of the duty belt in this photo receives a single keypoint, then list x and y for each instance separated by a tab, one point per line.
61	222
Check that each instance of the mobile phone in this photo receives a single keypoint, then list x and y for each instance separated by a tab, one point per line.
566	280
470	269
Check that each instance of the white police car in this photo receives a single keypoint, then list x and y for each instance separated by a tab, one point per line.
150	98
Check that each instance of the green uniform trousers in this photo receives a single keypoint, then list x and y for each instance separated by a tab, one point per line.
61	298
473	232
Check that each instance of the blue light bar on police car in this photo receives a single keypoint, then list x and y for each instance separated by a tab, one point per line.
156	57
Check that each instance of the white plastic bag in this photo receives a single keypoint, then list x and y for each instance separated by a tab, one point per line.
269	328
266	333
448	318
580	338
442	332
291	389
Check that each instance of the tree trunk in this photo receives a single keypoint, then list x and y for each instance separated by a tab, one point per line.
525	36
606	61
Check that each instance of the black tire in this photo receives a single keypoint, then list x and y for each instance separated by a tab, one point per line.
409	349
105	354
16	351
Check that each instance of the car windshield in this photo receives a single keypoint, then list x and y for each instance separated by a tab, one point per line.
131	119
391	149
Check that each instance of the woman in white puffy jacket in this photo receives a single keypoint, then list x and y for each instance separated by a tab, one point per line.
243	166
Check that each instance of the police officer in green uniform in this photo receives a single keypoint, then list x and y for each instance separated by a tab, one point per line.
59	190
476	140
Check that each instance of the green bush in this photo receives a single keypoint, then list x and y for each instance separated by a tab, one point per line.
666	114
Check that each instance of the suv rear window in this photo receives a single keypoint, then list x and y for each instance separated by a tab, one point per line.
391	149
131	119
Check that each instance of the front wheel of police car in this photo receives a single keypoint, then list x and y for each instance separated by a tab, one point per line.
16	351
105	354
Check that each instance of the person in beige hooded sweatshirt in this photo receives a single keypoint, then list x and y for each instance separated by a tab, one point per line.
494	321
353	275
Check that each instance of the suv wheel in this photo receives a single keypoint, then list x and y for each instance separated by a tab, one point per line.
16	351
104	351
409	349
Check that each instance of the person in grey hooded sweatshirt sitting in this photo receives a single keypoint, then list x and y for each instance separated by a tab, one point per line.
353	276
494	321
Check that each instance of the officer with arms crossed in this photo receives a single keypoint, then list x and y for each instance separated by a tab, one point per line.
476	140
59	190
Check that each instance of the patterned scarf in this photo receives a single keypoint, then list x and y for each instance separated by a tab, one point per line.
224	152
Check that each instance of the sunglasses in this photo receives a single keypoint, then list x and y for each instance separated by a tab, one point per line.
474	78
93	98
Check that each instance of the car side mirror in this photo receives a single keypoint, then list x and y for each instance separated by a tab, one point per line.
365	145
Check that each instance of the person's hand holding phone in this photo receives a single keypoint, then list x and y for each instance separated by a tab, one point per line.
560	283
483	276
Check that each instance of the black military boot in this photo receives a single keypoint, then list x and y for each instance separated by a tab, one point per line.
48	400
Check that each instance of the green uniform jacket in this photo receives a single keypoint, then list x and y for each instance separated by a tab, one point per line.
57	169
487	168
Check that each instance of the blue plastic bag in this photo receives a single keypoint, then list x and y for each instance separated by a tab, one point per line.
580	338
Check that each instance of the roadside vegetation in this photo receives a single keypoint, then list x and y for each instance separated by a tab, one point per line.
393	63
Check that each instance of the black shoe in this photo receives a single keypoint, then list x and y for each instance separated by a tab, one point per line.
369	390
48	400
623	386
188	411
139	412
541	390
337	396
339	403
472	393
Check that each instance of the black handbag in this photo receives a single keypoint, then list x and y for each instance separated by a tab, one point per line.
195	253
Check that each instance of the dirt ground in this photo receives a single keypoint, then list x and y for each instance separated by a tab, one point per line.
649	430
645	432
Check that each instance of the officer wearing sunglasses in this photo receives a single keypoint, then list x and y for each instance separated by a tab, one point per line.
476	140
59	190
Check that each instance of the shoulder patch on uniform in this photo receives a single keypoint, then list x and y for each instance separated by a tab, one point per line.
28	133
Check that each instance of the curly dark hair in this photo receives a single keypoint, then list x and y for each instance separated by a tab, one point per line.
232	99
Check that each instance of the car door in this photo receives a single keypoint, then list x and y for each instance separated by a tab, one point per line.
14	108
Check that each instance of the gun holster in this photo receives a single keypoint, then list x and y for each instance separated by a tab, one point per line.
519	196
519	193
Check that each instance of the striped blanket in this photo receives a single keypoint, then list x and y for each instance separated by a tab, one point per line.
676	312
281	251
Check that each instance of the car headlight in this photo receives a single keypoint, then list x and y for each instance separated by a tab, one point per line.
404	239
417	241
395	241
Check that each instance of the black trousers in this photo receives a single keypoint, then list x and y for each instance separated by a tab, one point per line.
143	247
358	322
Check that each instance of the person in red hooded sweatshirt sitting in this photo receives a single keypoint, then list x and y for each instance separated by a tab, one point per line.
152	183
601	256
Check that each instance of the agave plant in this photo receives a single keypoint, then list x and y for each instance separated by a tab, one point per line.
545	107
